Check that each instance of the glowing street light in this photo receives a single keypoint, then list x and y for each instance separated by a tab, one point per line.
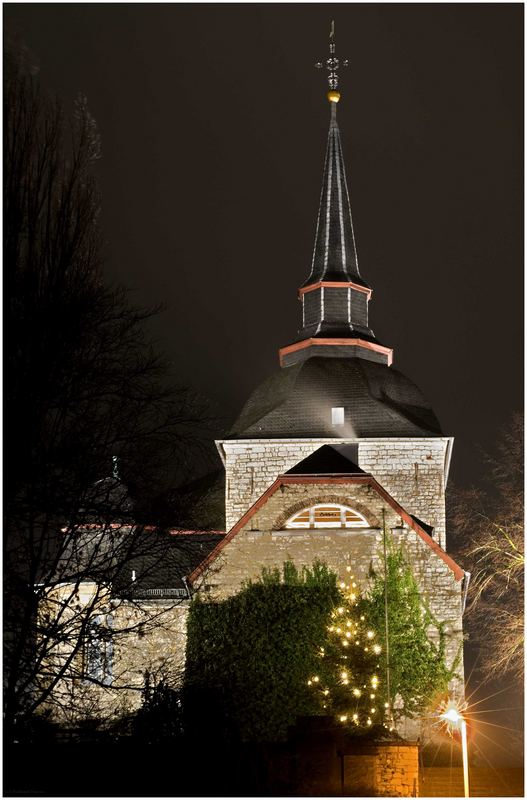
454	719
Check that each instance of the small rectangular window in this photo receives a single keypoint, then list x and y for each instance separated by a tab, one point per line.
337	416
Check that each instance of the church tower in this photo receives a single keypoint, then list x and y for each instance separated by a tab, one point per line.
338	450
336	383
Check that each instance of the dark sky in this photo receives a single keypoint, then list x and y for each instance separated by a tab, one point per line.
214	123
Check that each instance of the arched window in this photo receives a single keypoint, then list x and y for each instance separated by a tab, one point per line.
327	515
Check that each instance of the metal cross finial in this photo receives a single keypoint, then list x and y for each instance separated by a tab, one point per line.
332	63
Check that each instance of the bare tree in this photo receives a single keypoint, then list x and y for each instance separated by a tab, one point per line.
489	527
113	612
82	386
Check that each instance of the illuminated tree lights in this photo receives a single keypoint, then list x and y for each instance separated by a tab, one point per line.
347	682
354	681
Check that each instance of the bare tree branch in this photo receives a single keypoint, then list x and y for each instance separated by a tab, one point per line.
489	528
83	385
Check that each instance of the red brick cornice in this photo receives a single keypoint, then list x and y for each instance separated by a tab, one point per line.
378	348
335	285
354	480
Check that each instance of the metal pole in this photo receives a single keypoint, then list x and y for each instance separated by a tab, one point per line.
386	626
464	749
454	719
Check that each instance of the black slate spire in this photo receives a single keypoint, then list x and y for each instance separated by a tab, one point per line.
335	297
335	252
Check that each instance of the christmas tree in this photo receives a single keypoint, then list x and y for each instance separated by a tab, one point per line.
348	681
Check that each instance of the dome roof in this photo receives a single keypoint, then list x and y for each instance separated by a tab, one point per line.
378	401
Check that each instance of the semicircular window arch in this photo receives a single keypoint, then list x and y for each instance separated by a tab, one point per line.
327	515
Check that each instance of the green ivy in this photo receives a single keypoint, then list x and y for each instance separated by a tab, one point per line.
419	674
252	657
248	656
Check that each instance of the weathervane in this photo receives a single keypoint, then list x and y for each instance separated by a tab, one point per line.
332	65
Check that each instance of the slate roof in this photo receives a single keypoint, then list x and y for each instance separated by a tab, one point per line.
378	401
160	567
334	254
137	561
329	460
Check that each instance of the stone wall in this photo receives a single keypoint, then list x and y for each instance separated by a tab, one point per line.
262	542
411	470
146	636
325	761
156	643
382	770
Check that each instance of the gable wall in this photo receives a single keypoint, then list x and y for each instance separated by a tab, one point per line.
411	470
264	542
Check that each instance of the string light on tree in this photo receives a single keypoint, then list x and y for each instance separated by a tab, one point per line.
347	683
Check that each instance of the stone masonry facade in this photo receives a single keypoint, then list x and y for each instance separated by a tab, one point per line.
414	471
263	542
147	637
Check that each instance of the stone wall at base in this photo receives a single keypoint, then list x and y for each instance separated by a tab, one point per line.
326	760
382	770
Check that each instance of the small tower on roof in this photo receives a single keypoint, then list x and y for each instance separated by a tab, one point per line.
334	297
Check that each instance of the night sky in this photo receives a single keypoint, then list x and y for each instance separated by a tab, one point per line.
214	122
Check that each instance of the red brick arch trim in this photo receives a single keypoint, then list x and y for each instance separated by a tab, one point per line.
300	505
356	480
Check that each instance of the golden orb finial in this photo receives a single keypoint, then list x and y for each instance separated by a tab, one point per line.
333	96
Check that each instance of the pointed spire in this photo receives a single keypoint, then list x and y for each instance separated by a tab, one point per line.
335	298
335	251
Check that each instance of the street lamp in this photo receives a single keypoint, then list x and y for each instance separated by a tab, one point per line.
454	719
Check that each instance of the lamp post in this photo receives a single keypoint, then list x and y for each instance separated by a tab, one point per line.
455	719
